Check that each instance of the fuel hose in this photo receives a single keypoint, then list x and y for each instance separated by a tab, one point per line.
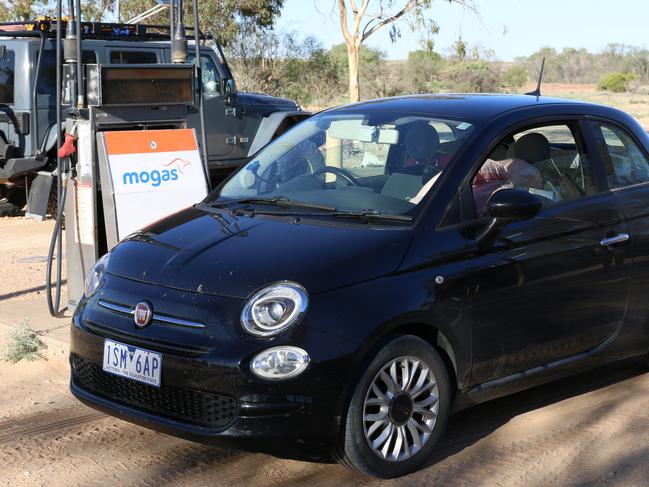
54	302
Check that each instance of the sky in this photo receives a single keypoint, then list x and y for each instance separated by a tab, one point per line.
511	28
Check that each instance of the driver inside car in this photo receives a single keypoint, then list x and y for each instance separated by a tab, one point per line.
512	172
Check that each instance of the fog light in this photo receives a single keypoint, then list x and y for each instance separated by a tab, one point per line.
280	363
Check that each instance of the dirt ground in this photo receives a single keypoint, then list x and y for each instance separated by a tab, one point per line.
23	249
588	430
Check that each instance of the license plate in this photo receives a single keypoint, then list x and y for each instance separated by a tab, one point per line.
132	362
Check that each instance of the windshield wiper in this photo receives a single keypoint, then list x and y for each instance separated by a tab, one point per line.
283	201
366	215
275	200
371	215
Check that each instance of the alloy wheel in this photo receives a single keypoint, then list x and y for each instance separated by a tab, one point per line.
401	408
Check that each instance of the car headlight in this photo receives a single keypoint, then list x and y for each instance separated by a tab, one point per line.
93	279
279	363
274	309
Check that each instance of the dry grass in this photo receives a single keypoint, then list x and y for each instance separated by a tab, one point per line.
636	104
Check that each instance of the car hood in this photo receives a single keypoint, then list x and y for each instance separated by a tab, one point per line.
260	100
216	253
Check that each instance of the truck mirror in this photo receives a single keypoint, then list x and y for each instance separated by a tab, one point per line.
229	91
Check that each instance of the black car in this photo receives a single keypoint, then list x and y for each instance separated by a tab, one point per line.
376	267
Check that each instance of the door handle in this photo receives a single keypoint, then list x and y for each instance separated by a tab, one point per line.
617	239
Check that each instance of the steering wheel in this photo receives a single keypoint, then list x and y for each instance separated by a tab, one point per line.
338	172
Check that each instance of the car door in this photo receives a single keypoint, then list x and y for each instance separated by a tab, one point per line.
627	172
555	286
220	119
10	138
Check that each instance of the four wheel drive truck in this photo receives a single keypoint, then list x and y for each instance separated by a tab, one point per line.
238	124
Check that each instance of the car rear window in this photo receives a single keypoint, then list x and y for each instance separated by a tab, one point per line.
47	76
7	71
133	57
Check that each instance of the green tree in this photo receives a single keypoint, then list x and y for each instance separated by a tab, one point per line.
12	10
222	18
360	19
421	74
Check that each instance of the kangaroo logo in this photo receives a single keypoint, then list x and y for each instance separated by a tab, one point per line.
179	164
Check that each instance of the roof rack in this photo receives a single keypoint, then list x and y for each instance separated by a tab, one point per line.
97	30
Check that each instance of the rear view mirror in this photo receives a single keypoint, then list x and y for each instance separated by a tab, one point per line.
229	91
504	207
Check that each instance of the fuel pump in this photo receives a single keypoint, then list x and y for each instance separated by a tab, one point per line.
128	158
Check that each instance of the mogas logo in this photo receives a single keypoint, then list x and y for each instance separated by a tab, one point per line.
156	177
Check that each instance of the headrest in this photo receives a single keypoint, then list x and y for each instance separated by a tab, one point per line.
422	141
532	148
501	151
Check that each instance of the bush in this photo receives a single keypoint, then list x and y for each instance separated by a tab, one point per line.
515	77
421	72
24	343
474	77
615	82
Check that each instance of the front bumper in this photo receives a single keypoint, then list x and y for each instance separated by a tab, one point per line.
208	393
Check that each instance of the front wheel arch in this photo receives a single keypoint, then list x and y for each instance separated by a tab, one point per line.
433	335
349	451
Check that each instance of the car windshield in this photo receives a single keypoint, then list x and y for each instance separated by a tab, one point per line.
380	164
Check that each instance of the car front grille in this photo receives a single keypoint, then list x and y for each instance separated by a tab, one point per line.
186	405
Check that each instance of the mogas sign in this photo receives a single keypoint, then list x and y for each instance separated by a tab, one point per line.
154	173
156	177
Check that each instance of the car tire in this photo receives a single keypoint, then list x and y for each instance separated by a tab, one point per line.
381	424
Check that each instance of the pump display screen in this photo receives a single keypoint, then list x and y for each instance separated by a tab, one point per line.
145	85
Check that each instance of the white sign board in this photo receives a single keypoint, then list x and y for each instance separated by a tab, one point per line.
154	173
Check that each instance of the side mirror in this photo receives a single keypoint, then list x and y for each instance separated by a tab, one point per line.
229	91
504	207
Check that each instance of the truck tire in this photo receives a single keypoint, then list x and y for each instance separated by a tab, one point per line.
9	209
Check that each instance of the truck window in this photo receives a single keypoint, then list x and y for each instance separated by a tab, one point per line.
47	78
210	74
7	70
133	57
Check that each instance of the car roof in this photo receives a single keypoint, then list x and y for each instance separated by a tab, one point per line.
474	107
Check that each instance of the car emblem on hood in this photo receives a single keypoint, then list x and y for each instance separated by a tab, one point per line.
142	314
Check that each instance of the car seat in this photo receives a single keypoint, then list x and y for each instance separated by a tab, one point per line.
422	143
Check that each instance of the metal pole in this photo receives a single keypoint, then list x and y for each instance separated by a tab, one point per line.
81	98
199	81
172	25
36	151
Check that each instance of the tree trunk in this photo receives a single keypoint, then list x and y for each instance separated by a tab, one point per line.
354	73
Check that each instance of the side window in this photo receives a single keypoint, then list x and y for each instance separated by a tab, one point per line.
210	74
549	161
47	78
133	57
7	72
626	163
